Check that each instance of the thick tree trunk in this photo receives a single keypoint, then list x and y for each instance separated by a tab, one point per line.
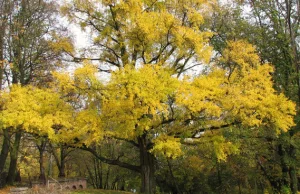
147	167
14	158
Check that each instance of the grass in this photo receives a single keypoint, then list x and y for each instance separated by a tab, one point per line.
98	191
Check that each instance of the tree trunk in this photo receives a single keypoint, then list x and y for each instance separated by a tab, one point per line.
42	176
62	162
14	158
5	149
41	149
3	25
284	167
1	56
294	180
147	167
106	180
100	172
5	145
293	171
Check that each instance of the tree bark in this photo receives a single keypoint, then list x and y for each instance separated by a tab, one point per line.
5	145
62	162
4	150
14	158
2	33
42	176
106	179
4	11
147	167
293	171
294	179
41	148
284	167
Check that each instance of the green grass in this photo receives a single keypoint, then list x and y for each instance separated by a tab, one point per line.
98	191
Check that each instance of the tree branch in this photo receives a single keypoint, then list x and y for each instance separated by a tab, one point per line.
110	161
214	128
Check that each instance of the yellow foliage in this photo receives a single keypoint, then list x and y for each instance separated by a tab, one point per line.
242	93
62	44
167	146
88	128
146	28
135	99
84	82
35	111
241	54
223	148
254	100
28	166
149	100
83	91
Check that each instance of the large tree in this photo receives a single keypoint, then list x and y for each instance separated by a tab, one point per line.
153	111
148	42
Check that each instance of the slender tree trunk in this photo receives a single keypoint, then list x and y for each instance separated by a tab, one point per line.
60	160
2	33
294	179
62	163
107	177
173	177
95	172
3	156
100	172
5	145
284	167
220	182
147	167
5	149
42	176
293	171
14	158
41	148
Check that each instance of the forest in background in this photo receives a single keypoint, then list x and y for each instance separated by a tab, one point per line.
173	96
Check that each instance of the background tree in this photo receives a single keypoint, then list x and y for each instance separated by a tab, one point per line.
28	53
273	26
